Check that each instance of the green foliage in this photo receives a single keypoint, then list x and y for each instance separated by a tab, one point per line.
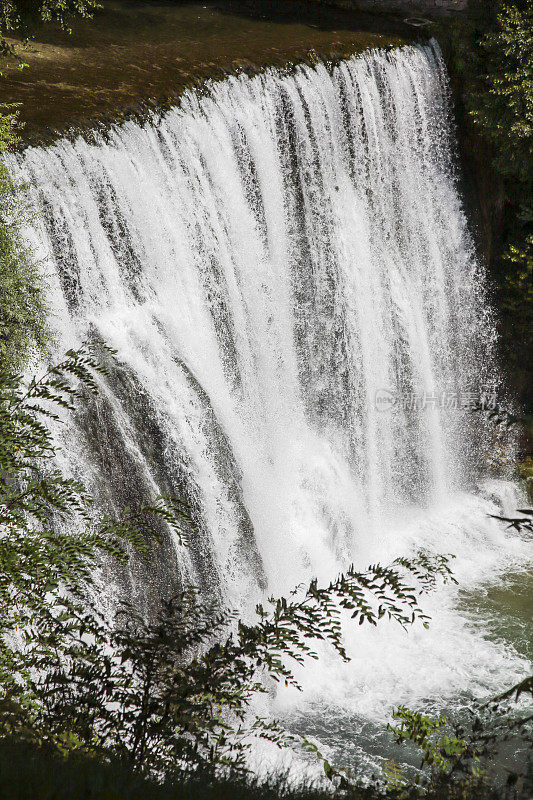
50	542
439	749
393	774
178	689
175	689
467	750
9	125
490	55
516	291
31	773
23	17
503	107
23	310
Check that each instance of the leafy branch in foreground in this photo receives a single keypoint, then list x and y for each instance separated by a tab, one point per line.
37	549
368	596
524	523
173	691
469	749
178	690
51	540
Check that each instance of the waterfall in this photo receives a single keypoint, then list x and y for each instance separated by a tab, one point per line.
284	267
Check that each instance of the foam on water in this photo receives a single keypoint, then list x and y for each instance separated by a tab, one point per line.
268	259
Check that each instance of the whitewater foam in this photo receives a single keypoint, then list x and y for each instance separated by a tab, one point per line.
268	259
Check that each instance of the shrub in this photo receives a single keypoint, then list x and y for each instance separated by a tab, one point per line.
173	690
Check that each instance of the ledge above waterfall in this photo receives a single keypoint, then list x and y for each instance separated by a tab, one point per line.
131	53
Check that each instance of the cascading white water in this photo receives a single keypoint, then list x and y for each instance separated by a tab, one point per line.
271	260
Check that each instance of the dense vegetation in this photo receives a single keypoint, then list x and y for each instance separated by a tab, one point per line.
29	773
23	313
490	54
24	17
